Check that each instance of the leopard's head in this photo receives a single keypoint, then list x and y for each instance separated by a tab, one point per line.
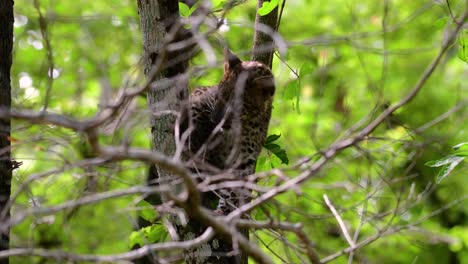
250	83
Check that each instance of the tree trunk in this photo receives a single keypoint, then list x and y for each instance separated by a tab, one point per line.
265	26
154	16
156	20
6	44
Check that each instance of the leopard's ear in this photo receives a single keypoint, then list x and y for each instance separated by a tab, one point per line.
230	60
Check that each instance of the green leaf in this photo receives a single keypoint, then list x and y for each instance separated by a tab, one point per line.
136	238
463	145
272	138
184	9
306	69
217	3
146	211
261	164
146	235
272	147
291	89
463	46
258	214
156	233
267	7
443	161
278	152
446	169
461	153
441	22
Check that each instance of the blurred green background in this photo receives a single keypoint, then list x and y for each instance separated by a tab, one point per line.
340	68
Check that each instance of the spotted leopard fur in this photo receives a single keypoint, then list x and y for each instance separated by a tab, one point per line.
228	125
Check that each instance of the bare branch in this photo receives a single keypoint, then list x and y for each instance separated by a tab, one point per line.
137	253
91	199
295	228
387	232
50	56
340	221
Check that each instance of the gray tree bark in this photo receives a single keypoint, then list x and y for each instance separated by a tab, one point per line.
263	46
6	45
156	19
159	22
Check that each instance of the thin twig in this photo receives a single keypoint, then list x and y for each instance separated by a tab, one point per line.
387	232
50	57
295	228
340	221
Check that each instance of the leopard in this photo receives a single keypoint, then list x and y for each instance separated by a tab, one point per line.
228	126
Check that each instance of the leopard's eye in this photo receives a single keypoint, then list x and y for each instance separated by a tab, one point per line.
268	91
272	90
266	85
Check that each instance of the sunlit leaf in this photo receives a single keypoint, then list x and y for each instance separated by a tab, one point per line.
146	211
443	161
218	3
462	46
446	169
463	145
150	234
291	89
306	69
461	154
441	22
261	164
136	238
267	7
184	9
157	233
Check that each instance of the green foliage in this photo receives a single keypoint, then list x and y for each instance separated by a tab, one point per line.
146	211
276	149
449	162
293	89
338	72
185	10
463	46
218	3
461	146
147	235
